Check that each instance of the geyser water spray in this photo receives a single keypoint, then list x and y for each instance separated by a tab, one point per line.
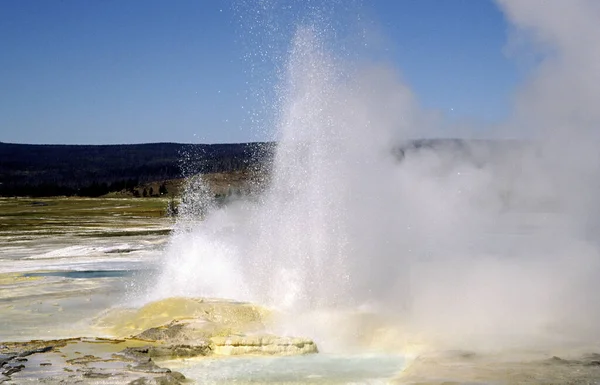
467	243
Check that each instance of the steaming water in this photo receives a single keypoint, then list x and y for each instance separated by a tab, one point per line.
451	242
313	369
483	246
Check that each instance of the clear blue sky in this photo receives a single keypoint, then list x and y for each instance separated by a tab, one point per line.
147	71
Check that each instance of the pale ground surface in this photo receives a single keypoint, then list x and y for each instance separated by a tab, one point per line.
65	262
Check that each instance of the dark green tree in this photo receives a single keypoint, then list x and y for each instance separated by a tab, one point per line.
162	189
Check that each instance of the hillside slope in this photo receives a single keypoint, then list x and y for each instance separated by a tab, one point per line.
93	170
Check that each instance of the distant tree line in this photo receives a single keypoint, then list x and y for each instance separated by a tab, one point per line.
85	170
91	171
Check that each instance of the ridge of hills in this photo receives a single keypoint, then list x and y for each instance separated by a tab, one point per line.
153	169
94	170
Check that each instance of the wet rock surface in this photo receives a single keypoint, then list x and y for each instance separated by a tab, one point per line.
189	327
262	345
167	330
182	319
62	361
169	351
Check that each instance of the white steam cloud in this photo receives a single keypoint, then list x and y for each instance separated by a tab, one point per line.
467	243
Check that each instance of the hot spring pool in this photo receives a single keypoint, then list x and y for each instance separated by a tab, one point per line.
309	369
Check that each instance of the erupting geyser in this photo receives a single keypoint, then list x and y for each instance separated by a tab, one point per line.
461	242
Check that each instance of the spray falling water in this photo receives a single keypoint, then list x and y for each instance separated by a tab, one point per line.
465	242
294	245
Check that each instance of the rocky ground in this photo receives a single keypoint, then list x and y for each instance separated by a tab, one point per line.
457	367
79	360
145	343
158	332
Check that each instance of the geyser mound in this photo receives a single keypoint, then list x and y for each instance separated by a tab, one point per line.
460	243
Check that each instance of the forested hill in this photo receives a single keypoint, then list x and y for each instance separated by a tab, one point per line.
93	170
